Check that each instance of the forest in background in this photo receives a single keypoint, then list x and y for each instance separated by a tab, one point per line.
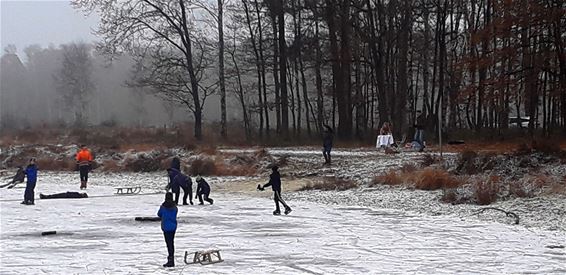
290	67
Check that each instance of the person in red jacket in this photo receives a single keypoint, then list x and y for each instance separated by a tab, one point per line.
84	159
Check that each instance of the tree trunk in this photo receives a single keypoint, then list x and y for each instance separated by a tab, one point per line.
223	131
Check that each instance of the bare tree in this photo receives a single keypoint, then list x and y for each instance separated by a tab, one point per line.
140	27
74	81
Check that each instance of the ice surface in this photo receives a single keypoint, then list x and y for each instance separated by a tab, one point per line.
98	235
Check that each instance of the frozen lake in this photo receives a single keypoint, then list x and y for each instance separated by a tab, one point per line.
98	235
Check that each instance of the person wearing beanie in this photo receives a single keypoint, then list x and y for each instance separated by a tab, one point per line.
168	214
275	183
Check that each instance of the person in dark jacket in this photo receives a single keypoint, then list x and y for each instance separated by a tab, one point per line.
66	195
168	214
19	177
176	163
203	191
31	175
275	183
327	139
178	180
419	129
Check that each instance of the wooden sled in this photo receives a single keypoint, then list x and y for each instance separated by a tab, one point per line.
128	190
204	257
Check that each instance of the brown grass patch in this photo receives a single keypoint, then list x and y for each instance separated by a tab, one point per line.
210	150
389	178
433	179
331	184
55	165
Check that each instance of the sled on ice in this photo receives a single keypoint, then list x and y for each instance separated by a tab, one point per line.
204	257
128	190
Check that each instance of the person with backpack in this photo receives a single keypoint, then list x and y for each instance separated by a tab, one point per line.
203	191
178	181
168	214
275	183
31	175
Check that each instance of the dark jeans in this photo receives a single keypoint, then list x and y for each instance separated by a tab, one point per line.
206	198
169	240
83	170
187	193
419	137
29	193
326	153
278	199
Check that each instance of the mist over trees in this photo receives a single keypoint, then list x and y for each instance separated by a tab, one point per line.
55	86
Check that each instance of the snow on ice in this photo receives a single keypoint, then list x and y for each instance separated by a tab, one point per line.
98	235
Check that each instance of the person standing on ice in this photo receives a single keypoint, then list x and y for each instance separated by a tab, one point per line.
327	139
168	214
31	175
84	159
203	190
178	180
275	183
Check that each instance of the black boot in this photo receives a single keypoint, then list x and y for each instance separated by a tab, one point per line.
170	262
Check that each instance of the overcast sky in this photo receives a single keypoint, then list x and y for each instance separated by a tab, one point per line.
43	22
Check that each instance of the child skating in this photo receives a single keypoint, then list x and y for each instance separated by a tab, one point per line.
203	191
178	181
275	183
168	214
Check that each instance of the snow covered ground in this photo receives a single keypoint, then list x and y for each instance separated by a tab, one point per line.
98	235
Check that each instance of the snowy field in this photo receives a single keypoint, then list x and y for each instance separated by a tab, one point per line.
98	235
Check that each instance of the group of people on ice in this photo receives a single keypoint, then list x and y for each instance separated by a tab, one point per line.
178	180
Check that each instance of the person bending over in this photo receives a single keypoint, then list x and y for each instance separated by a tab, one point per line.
203	191
178	180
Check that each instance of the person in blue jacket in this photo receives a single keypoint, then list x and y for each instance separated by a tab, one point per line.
168	214
178	180
203	190
275	183
31	175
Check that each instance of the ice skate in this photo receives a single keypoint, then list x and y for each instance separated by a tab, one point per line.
288	210
276	212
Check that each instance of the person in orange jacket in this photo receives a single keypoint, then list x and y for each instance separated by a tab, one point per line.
84	159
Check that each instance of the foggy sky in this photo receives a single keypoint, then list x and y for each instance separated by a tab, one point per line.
24	23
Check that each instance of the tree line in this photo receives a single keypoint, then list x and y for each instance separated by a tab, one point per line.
296	65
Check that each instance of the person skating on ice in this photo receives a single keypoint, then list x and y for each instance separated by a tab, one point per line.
275	183
203	191
168	214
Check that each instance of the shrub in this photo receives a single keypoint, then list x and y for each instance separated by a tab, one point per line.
428	160
202	166
485	191
144	163
330	184
234	170
111	166
389	178
55	165
433	179
467	162
547	147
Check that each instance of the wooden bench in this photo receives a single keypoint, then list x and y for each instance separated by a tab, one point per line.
129	190
204	257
